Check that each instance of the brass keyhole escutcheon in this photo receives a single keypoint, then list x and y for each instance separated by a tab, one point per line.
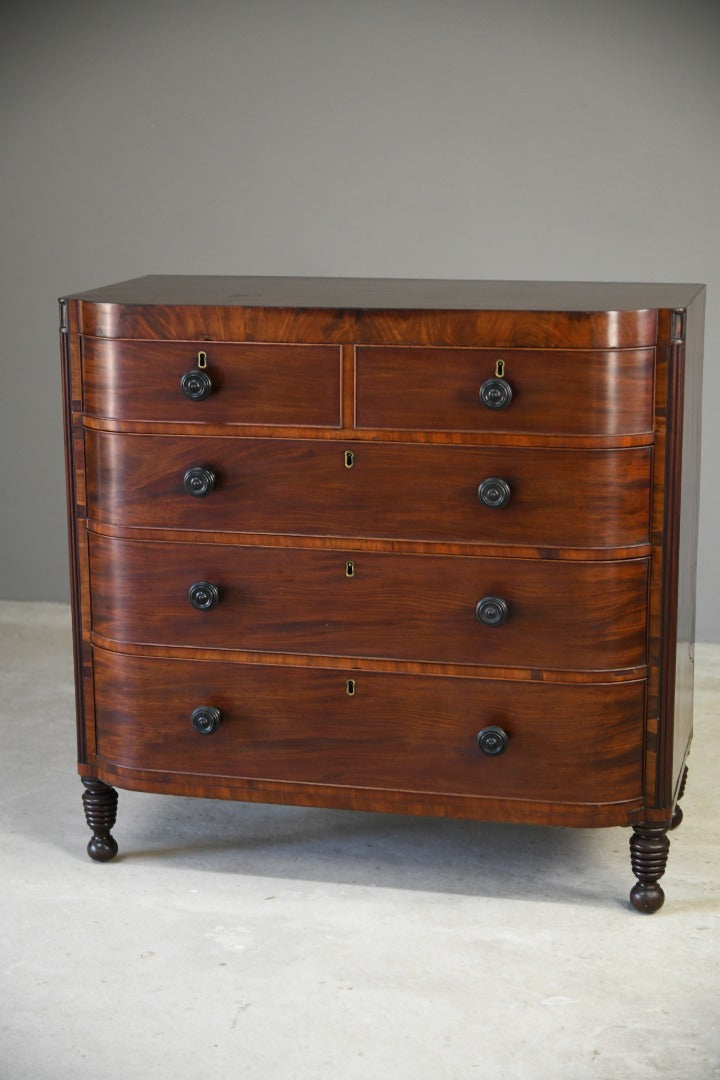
349	569
350	688
202	360
499	369
349	459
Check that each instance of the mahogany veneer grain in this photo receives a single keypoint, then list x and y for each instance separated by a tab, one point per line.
588	615
301	487
407	733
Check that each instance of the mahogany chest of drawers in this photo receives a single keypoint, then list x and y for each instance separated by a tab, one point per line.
409	546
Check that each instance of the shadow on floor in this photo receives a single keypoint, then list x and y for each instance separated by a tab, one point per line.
377	850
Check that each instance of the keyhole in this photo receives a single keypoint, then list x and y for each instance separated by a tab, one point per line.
349	459
202	360
349	569
350	688
500	369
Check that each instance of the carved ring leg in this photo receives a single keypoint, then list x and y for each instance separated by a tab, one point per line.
649	846
677	813
100	806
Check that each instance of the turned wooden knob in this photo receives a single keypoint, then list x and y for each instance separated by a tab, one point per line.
492	741
496	394
494	492
491	610
199	481
203	595
196	385
206	719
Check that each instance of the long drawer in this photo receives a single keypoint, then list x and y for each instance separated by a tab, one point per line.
297	385
556	498
561	392
571	743
445	609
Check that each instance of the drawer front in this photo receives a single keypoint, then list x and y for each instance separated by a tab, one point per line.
249	384
569	743
557	498
562	615
541	391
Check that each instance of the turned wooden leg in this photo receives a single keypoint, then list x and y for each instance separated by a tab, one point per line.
649	846
677	813
100	806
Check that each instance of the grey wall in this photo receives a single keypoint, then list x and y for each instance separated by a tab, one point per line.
421	138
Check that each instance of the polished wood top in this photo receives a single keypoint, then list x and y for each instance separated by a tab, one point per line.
387	294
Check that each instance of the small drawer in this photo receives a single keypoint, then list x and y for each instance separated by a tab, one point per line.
444	609
209	382
529	391
395	732
557	498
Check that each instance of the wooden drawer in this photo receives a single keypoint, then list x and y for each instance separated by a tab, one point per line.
569	743
553	391
297	385
559	498
560	615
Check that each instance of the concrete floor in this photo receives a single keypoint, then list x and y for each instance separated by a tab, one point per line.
239	941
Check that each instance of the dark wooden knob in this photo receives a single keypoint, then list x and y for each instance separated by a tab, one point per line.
206	719
196	385
199	481
492	741
203	595
492	610
494	492
496	394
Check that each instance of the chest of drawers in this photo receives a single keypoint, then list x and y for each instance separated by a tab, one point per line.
408	546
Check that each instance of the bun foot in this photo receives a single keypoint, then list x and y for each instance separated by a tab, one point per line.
102	848
649	848
647	898
100	806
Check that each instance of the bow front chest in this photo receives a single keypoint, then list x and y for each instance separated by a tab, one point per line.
409	546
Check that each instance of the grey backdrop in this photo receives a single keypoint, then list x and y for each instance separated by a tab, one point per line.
423	138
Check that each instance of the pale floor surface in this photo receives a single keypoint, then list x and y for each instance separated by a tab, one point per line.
277	943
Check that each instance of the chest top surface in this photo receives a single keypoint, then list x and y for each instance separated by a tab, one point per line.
384	294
